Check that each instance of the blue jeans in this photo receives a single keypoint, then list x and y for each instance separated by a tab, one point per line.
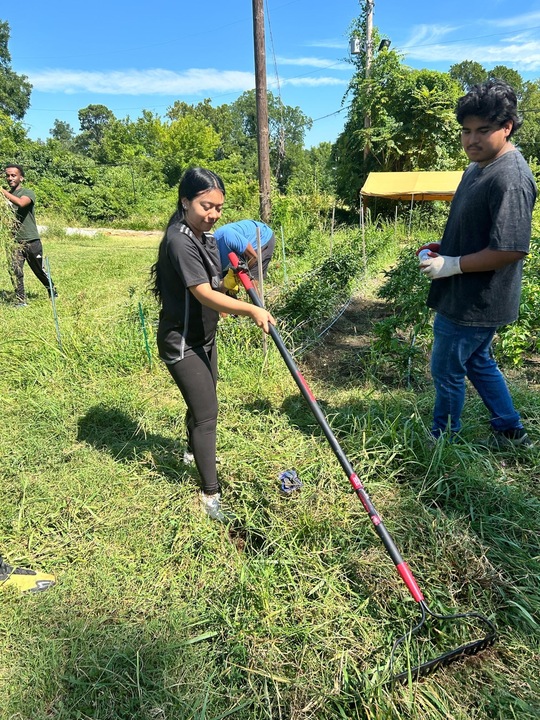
459	351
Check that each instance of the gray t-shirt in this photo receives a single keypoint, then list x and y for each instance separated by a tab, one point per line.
492	208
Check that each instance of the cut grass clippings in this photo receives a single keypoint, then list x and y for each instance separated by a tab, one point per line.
162	613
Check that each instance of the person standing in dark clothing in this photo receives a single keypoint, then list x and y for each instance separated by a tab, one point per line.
28	245
476	271
188	284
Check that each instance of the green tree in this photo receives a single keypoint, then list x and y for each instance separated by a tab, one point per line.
62	132
119	144
428	137
13	140
93	120
314	173
508	75
412	124
15	89
528	136
219	118
287	126
184	142
468	73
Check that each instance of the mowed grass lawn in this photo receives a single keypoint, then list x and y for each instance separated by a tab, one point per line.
160	613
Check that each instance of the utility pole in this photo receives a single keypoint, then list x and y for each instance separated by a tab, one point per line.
369	56
262	110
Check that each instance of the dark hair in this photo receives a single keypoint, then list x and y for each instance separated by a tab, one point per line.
14	165
193	182
494	100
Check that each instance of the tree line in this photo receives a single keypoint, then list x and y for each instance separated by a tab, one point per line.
112	169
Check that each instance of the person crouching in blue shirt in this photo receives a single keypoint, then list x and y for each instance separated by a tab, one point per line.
241	238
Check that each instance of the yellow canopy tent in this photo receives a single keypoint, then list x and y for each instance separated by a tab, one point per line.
409	186
413	186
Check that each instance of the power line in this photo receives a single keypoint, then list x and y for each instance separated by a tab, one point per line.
336	112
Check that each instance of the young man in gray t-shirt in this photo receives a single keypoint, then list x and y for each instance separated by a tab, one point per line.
476	272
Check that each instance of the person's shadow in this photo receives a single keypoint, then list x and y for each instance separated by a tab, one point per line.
112	430
7	297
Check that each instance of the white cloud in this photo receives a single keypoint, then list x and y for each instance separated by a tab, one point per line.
313	82
160	82
331	44
435	43
523	55
426	34
521	21
314	62
142	82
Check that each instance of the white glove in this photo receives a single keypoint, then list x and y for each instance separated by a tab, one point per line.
441	266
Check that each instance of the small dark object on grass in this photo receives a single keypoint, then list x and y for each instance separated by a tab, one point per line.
289	482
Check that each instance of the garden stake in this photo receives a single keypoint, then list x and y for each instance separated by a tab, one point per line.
425	668
143	326
53	304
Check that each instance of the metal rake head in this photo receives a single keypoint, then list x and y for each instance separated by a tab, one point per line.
466	650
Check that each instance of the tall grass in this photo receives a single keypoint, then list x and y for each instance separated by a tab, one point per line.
7	224
161	613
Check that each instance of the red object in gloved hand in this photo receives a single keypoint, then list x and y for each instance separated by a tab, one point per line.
434	247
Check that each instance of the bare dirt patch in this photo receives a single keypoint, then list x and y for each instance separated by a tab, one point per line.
343	351
337	356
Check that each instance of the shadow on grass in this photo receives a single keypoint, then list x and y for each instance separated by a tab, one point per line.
7	297
112	430
345	421
101	668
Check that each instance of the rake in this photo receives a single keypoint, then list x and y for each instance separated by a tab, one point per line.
426	668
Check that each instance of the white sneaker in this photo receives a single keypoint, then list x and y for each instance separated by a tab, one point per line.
188	458
212	507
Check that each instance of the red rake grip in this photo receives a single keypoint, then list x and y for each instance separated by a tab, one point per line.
242	274
409	581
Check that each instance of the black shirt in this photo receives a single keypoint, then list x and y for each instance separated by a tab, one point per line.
184	261
492	208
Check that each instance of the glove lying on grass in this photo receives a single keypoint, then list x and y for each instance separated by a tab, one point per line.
230	283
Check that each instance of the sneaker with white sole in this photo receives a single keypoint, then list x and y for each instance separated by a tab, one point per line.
188	458
213	508
515	439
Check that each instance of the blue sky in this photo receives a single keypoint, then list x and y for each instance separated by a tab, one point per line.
134	56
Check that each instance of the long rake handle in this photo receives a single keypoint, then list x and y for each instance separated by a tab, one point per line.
358	487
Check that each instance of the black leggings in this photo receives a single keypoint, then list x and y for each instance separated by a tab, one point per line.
33	253
196	377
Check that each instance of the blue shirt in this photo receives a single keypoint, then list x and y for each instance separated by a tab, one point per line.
235	237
